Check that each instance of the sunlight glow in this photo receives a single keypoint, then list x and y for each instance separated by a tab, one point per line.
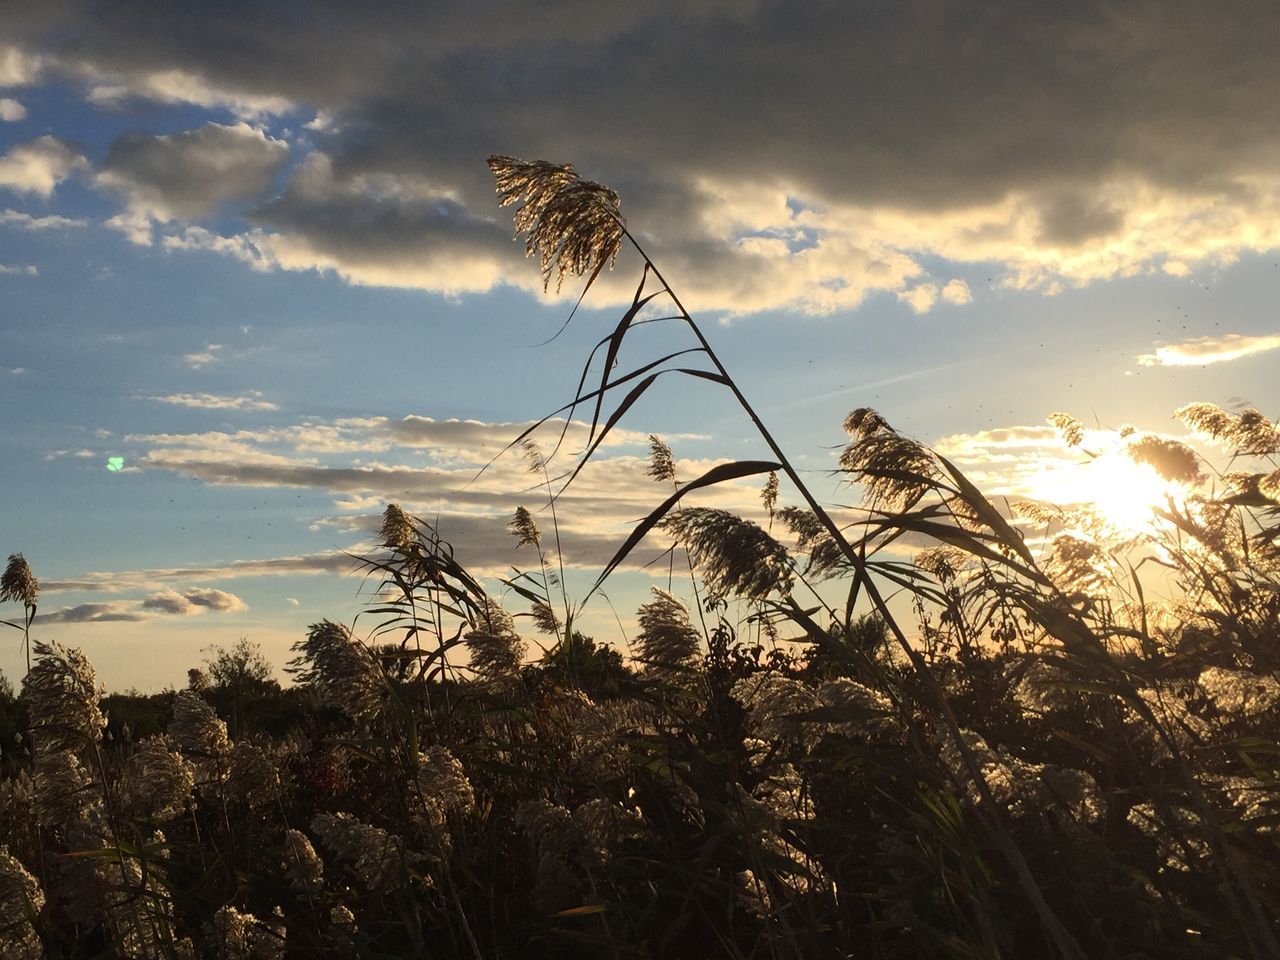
1124	493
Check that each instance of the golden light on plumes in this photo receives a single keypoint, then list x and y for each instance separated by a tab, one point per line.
572	225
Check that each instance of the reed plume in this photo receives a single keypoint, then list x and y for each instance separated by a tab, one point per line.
667	639
573	226
398	531
21	899
61	693
495	647
196	728
303	867
734	555
341	669
160	780
18	583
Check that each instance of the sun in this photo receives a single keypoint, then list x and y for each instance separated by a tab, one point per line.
1123	493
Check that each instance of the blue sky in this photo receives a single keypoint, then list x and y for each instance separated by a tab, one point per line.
266	269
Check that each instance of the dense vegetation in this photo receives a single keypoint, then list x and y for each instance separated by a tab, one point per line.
933	726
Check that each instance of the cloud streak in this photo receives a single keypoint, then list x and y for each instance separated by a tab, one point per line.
210	401
1201	351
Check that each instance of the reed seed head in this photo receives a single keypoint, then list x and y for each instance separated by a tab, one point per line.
64	789
373	853
398	530
667	639
662	465
443	784
495	647
61	693
196	728
1072	430
341	668
302	865
524	528
160	779
573	226
18	583
252	776
20	899
1174	461
769	493
734	555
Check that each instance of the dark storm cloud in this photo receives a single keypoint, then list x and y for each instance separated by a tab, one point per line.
912	108
979	96
190	174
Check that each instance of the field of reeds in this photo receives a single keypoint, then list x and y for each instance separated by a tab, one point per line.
996	743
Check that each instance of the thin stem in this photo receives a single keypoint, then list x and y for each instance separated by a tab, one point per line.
1063	940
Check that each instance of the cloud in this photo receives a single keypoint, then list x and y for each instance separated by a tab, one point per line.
17	67
193	601
238	247
18	270
28	222
1004	460
1205	350
957	291
38	166
114	610
1066	150
189	175
292	601
471	441
210	401
11	111
384	231
433	467
182	86
202	358
158	579
920	298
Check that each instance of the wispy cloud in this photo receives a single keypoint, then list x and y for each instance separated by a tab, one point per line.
18	270
27	222
156	579
11	111
110	611
1205	350
203	358
209	401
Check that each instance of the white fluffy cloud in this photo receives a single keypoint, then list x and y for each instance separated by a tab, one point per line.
39	165
11	111
192	601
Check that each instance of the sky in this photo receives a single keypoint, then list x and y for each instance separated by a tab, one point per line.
254	283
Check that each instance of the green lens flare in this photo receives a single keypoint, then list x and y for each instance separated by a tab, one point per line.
115	463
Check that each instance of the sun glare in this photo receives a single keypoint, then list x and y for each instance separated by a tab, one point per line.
1124	493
